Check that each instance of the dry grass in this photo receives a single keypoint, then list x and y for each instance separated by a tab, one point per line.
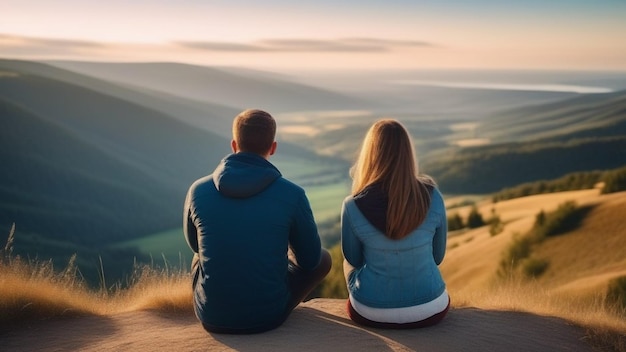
533	297
574	285
32	291
606	326
155	289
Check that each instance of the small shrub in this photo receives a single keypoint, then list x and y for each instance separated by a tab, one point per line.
517	251
496	225
614	181
453	245
455	222
534	267
474	219
616	293
540	219
565	218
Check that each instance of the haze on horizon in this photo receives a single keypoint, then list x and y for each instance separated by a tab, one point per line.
322	35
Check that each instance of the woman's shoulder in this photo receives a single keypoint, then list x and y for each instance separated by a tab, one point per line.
436	200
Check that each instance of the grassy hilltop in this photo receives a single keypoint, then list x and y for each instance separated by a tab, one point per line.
575	287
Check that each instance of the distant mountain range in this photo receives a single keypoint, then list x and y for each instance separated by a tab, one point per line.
240	89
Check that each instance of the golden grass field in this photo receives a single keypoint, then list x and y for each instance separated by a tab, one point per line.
581	264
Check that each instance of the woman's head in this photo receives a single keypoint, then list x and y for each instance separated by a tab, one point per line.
386	155
387	158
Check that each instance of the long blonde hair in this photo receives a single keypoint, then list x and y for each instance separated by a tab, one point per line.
387	158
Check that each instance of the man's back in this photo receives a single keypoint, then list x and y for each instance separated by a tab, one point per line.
241	220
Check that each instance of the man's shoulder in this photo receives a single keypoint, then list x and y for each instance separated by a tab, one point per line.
201	183
284	184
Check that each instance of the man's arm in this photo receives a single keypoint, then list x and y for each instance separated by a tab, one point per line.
189	228
304	238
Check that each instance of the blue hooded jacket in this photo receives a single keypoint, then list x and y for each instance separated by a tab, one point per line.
240	221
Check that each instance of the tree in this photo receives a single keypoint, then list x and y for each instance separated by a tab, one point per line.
615	181
474	219
455	222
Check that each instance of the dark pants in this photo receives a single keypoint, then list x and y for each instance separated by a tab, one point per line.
361	320
301	284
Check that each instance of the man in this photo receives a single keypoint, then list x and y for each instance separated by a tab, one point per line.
240	222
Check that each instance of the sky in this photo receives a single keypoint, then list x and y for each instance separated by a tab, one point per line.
322	34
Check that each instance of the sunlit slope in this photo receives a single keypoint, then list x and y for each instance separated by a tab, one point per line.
592	115
222	86
582	261
587	257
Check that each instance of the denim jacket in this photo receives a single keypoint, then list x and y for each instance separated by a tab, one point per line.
394	273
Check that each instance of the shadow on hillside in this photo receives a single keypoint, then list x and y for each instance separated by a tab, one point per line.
58	334
318	325
464	329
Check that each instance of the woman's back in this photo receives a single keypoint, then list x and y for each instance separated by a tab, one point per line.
392	273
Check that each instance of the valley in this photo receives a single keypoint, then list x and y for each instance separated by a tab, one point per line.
98	157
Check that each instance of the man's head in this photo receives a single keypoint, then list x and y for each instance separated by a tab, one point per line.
254	131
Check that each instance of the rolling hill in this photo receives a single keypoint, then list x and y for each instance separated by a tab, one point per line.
592	115
580	262
542	142
54	182
220	86
84	167
212	117
92	163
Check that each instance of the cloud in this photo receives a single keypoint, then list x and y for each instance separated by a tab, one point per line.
359	45
20	45
7	40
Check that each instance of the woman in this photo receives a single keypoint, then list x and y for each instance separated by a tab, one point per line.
393	235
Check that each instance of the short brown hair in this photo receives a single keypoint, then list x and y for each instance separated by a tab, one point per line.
254	131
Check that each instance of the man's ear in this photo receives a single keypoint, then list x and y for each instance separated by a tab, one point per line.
233	145
273	148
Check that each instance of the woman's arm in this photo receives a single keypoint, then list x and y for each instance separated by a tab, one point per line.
350	244
441	232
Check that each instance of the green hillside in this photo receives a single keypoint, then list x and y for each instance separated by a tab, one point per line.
490	169
54	182
542	142
84	168
592	115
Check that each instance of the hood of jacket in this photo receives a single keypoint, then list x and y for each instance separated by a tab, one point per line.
242	175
